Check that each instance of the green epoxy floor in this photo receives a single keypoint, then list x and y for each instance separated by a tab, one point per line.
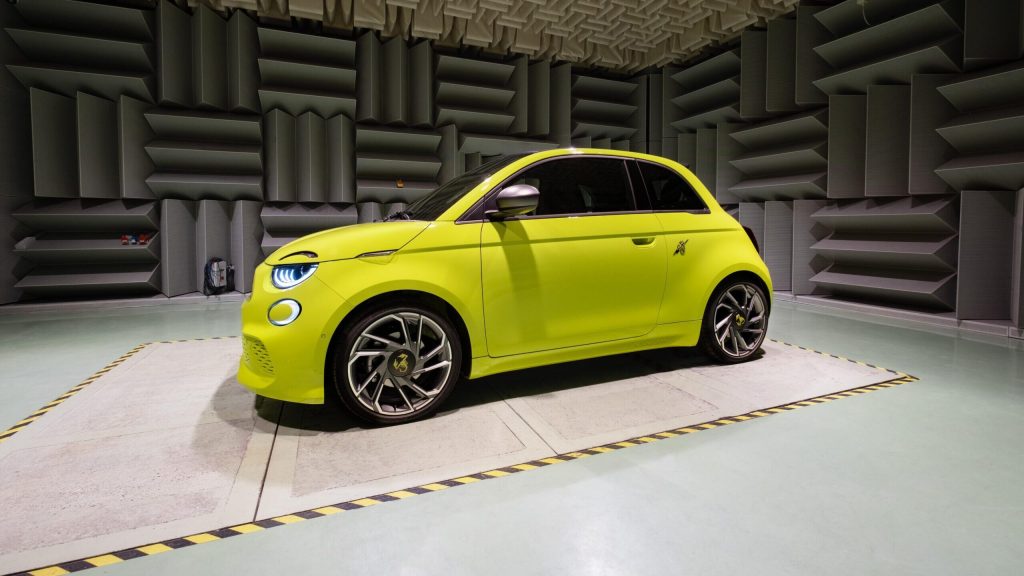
925	478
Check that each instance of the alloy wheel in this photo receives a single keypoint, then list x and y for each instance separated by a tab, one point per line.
399	364
739	320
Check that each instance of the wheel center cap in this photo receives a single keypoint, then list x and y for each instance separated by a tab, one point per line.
740	320
401	362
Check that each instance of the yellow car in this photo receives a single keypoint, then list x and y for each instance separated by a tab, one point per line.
530	259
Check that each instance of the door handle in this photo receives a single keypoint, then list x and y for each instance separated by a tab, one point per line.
645	241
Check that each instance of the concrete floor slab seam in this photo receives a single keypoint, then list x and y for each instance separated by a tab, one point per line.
365	502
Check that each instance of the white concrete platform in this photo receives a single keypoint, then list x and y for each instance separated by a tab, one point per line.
167	444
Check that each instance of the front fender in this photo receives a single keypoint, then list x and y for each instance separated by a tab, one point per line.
451	274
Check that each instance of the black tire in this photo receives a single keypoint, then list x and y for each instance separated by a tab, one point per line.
746	329
396	395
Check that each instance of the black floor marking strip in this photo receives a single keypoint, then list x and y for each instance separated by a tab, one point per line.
256	526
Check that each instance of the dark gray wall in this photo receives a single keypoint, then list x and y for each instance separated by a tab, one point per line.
885	142
876	150
221	138
15	157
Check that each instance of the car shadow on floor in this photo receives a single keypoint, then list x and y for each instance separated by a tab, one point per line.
333	417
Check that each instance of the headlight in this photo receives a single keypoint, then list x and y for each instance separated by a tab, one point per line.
291	275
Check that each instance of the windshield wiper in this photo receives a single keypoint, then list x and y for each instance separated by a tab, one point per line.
400	215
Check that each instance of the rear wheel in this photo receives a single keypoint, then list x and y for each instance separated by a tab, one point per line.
397	364
735	322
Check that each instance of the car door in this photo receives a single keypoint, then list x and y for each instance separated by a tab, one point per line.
694	252
586	267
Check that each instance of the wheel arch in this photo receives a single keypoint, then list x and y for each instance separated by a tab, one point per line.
393	297
749	276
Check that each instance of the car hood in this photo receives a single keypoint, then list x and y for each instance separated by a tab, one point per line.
348	242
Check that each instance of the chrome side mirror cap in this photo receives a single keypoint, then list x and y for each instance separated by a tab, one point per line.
515	201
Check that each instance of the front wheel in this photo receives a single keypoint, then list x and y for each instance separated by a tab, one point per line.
735	322
397	364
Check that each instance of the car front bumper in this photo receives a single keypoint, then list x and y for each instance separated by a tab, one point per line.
287	362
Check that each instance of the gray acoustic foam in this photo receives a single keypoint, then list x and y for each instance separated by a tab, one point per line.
753	74
207	62
902	251
751	215
395	165
174	50
15	161
807	232
54	153
69	49
310	158
205	155
847	130
704	94
88	146
303	72
538	102
686	146
246	242
560	105
178	263
1017	266
847	143
213	235
893	48
209	59
520	96
97	147
279	156
778	243
474	95
396	81
369	89
887	157
89	216
783	159
780	72
133	132
396	87
242	68
726	175
284	223
705	157
228	230
985	283
809	65
992	32
655	124
927	150
75	249
987	133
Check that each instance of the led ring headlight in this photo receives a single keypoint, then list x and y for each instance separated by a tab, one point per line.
291	275
283	312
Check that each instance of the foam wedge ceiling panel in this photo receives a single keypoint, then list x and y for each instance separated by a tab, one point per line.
624	35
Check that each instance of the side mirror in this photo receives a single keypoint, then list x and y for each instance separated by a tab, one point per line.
515	201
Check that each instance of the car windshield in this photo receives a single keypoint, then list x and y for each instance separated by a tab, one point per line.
435	203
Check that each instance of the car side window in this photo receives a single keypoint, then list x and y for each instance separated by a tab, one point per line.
668	190
579	186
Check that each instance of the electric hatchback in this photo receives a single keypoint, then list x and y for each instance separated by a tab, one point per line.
530	259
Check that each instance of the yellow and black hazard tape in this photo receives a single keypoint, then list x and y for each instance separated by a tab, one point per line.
22	424
259	525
